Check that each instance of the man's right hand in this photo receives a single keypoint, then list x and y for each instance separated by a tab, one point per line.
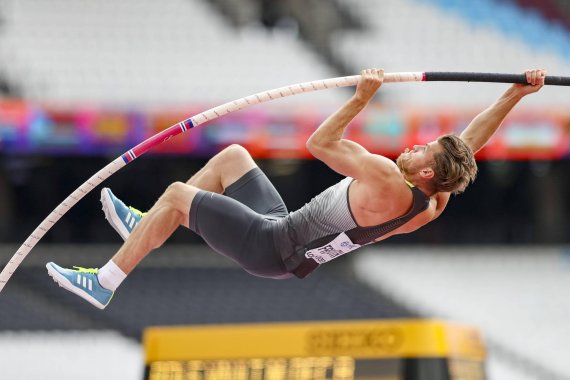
369	82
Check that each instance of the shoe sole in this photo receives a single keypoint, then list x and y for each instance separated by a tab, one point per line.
67	285
114	219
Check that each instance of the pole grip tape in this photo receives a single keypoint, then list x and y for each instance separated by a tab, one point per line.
490	78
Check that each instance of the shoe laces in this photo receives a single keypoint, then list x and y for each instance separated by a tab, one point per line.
86	270
137	212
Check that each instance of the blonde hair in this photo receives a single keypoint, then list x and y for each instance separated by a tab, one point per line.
454	166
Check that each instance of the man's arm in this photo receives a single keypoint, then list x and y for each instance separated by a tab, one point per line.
482	128
326	143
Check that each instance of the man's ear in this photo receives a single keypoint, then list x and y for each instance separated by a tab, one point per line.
427	173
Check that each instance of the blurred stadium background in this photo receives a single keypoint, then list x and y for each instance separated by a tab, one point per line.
83	81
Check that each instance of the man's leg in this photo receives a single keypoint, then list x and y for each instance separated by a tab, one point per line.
170	211
220	172
98	286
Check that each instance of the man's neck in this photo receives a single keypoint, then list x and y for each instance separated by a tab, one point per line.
419	184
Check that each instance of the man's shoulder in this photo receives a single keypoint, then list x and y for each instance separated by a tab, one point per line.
385	183
384	172
383	168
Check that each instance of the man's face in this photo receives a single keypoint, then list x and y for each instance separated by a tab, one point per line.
412	161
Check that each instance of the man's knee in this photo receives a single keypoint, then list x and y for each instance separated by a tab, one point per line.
235	152
228	166
179	196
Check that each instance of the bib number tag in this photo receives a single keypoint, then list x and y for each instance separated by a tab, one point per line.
338	247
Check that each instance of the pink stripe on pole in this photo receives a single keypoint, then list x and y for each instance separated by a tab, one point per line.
157	139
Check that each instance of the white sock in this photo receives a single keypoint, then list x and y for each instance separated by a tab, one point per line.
111	276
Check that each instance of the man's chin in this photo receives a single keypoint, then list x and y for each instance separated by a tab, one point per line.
400	163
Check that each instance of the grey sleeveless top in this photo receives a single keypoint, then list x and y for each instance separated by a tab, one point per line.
327	213
324	229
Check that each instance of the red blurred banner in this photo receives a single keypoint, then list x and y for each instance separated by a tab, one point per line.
268	133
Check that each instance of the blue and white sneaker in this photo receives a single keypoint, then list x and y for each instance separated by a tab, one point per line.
83	282
122	218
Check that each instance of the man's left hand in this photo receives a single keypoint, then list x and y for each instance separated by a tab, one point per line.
535	79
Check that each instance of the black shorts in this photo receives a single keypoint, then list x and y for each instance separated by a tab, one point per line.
239	224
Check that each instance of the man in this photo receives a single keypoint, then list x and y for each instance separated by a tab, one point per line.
232	205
